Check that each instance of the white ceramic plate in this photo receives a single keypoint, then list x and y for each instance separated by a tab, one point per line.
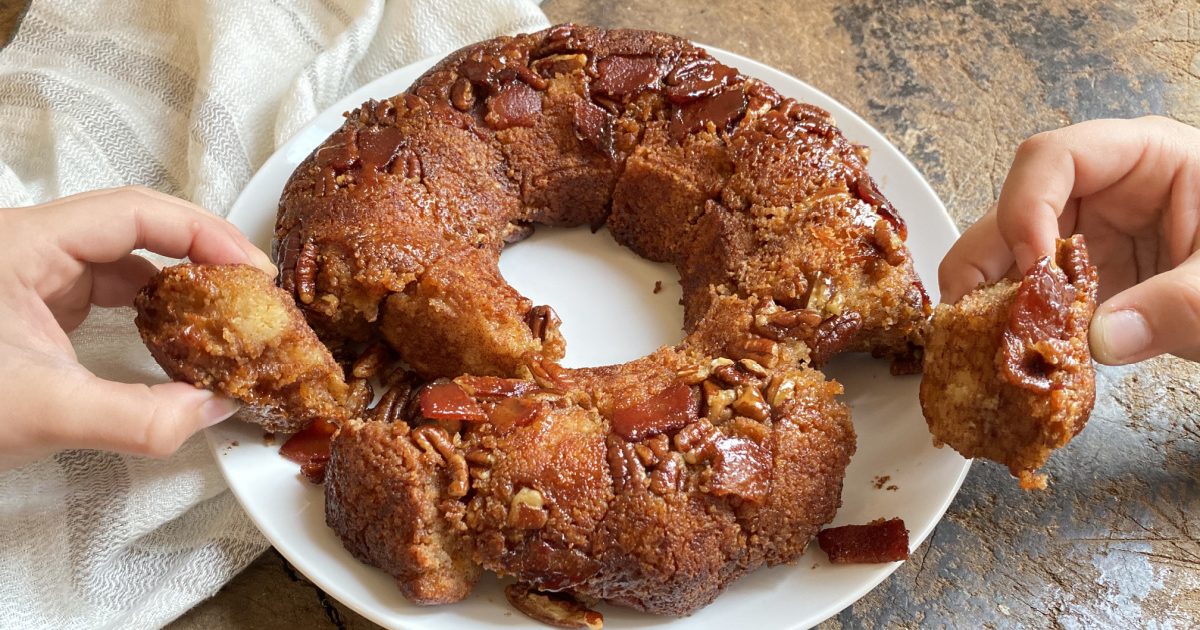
604	294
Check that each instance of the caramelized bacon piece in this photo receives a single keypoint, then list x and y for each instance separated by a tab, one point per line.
448	401
621	76
740	467
310	449
672	408
514	412
878	541
1036	339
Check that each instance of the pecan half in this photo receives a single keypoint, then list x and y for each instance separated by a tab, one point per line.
764	351
717	401
888	242
553	609
435	441
542	320
371	361
750	403
527	510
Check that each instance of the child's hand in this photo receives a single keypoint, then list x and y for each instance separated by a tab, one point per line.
56	261
1132	188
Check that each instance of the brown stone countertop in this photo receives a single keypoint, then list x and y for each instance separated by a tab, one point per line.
1115	541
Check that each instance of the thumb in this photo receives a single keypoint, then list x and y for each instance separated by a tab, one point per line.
1160	315
144	420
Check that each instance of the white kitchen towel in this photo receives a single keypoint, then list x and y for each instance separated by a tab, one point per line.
188	97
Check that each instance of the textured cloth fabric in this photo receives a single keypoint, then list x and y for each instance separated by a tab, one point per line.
188	97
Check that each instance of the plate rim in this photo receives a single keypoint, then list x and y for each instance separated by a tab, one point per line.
357	96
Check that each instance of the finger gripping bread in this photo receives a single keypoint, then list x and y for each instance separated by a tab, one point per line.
1007	371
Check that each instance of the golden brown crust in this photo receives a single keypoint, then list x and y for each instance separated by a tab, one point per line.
676	153
560	501
389	502
228	328
1008	374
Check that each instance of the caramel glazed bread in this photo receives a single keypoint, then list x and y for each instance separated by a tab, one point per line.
652	484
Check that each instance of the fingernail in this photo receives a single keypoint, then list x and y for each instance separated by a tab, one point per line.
1119	337
217	409
262	261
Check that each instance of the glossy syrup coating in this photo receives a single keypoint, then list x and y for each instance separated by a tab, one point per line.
752	196
1008	373
228	328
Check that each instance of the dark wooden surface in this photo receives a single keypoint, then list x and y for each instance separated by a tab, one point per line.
956	86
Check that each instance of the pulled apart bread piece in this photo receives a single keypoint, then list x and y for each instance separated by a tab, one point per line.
1008	375
228	328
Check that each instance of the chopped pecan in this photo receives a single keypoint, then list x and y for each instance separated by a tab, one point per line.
820	290
693	375
730	374
462	94
753	367
371	361
390	407
750	403
626	470
780	389
527	510
553	65
791	292
550	375
869	192
553	609
783	325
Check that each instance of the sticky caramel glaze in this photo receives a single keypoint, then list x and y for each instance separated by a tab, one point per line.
659	514
1008	374
228	328
397	220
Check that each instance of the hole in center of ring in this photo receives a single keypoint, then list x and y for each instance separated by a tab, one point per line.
603	292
